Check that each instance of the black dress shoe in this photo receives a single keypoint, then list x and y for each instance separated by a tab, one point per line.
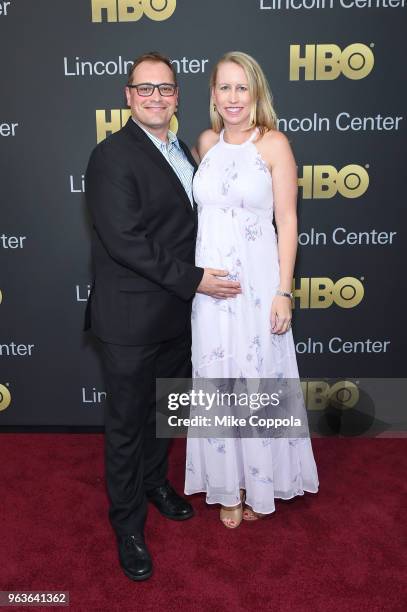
134	557
170	504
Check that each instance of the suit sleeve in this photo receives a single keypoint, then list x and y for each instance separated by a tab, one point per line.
117	216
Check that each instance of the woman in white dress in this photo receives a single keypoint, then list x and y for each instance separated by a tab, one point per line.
247	175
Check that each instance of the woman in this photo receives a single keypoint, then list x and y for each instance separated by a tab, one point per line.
246	171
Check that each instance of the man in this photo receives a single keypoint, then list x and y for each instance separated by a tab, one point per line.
139	192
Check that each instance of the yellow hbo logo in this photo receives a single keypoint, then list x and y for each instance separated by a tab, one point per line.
323	182
327	62
322	292
5	398
319	394
118	118
132	10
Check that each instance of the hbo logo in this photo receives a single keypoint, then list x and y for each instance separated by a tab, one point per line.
5	397
347	292
327	62
132	10
319	394
117	118
326	181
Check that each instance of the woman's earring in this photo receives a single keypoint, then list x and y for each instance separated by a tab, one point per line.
214	107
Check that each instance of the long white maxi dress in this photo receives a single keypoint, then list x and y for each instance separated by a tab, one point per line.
232	337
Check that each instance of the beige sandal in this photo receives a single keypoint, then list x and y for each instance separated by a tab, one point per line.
231	516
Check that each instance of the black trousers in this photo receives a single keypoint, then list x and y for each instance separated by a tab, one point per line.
136	461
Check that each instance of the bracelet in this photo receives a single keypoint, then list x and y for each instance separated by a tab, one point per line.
284	294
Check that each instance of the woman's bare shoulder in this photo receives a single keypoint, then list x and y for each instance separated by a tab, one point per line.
275	138
274	146
206	140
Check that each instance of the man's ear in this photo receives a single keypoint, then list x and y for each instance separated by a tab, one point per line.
127	92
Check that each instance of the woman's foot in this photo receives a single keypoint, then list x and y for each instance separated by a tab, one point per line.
231	516
251	515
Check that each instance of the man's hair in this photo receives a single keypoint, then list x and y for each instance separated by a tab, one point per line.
152	56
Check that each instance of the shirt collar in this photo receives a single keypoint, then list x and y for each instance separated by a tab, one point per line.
172	139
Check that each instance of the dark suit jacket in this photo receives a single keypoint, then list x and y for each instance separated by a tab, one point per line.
143	242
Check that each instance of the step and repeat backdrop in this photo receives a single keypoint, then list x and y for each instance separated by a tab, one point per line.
336	70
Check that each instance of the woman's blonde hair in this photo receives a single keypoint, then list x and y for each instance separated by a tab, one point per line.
262	115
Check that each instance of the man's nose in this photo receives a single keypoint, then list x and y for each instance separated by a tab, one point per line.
156	96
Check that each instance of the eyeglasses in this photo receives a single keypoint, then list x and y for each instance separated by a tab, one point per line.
147	89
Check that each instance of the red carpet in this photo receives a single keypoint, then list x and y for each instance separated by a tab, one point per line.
341	549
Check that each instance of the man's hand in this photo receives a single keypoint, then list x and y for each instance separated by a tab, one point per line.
216	287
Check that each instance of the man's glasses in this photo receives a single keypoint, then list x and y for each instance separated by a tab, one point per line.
147	89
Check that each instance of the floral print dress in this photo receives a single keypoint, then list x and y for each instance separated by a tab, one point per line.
232	337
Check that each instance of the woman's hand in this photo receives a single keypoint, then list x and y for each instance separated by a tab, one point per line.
280	317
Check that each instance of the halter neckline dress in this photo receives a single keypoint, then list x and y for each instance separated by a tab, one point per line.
232	337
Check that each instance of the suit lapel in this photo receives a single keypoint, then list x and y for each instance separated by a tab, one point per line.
189	155
159	160
195	167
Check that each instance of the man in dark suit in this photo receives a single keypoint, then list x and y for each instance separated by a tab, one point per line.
139	192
